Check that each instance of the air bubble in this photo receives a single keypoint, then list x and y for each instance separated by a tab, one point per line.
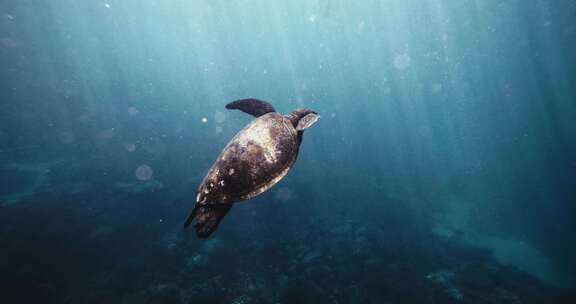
436	88
283	194
130	147
219	117
144	172
133	111
402	61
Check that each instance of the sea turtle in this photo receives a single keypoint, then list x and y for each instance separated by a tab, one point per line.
256	158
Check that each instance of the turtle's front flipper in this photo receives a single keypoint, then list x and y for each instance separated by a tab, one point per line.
207	218
251	106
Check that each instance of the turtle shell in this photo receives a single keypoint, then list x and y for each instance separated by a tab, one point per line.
254	160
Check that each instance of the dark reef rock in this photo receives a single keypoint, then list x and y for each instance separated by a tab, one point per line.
125	246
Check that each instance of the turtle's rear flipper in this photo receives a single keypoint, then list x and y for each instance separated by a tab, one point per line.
207	218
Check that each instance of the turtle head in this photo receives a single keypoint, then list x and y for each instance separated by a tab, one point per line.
303	118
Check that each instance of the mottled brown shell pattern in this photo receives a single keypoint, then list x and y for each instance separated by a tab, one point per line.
254	160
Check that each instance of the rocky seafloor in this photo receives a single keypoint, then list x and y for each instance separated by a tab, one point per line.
70	238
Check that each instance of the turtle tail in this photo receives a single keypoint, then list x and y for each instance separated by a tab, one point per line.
207	217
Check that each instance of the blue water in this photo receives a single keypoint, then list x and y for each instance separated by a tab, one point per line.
442	170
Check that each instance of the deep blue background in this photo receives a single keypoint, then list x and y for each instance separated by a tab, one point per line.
443	123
